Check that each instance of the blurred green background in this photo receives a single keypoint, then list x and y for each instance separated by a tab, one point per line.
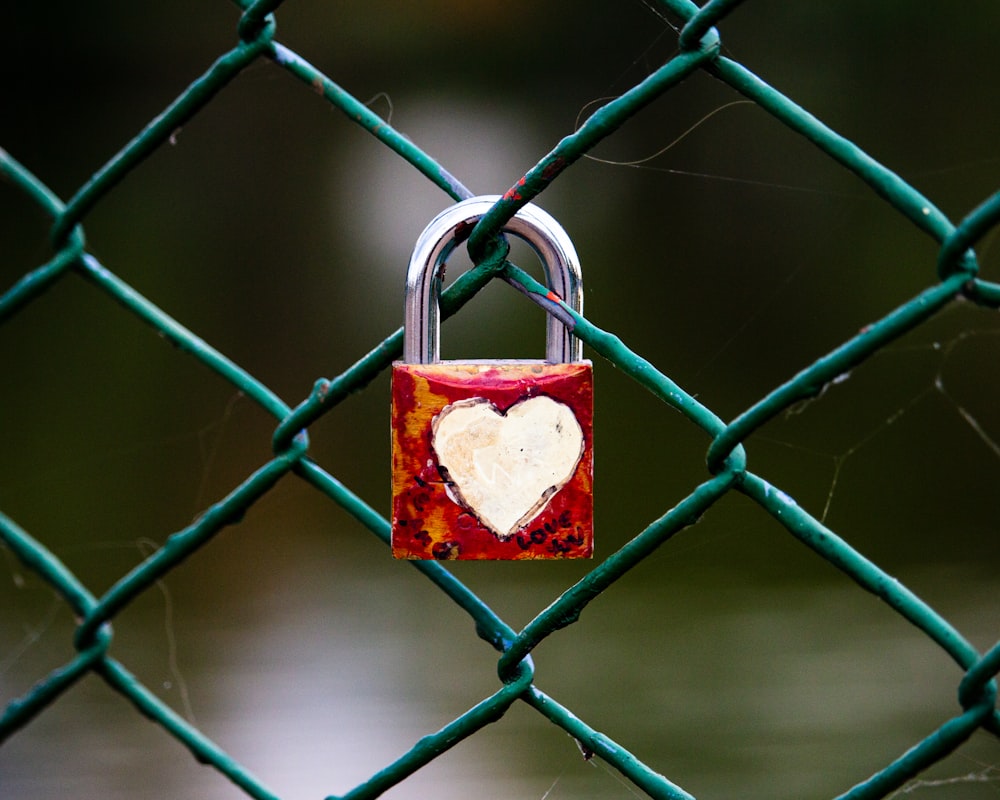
734	661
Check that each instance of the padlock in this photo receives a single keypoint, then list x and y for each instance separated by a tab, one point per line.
491	459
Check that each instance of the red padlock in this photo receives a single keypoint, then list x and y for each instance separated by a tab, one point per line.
491	459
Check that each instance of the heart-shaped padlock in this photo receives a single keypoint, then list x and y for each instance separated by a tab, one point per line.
491	459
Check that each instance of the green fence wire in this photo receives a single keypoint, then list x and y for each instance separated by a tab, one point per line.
699	49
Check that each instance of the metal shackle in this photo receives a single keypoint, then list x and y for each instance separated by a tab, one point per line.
421	313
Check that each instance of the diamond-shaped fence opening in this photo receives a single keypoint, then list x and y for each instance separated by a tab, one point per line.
791	317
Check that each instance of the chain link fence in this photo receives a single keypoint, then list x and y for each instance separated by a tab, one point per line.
699	49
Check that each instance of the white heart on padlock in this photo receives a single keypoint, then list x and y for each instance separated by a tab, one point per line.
505	467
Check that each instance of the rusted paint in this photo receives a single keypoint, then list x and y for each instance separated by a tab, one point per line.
428	520
513	192
553	168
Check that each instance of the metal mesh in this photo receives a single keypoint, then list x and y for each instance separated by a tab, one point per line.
699	49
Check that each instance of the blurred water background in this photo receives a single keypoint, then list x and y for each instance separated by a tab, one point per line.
734	661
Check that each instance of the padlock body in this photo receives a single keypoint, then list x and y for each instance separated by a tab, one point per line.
483	460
